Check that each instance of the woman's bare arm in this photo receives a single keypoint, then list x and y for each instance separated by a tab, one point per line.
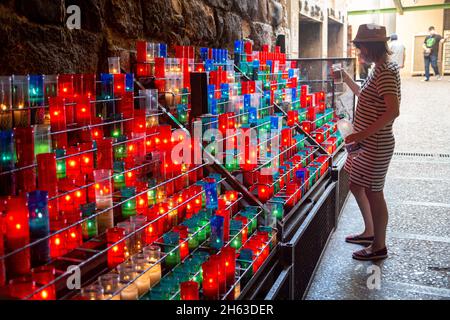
351	83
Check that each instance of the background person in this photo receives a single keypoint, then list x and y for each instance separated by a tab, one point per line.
398	51
430	53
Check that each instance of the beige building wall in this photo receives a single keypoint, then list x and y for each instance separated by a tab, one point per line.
313	41
407	26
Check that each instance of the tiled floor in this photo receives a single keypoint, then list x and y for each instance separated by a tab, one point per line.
418	196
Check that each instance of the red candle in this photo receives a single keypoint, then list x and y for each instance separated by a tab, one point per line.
307	126
151	232
125	107
17	236
26	178
21	287
189	290
141	48
232	198
104	154
286	137
58	122
164	139
87	158
83	112
292	118
89	88
116	253
160	74
73	165
292	191
2	248
66	90
74	238
264	192
228	255
97	131
183	232
43	276
58	241
210	280
119	84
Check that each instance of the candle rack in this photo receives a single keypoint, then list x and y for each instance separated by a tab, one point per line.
87	162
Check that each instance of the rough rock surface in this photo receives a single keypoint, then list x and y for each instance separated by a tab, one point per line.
35	38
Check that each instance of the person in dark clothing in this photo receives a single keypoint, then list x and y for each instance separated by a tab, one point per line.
431	51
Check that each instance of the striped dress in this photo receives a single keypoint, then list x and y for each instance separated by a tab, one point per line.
369	168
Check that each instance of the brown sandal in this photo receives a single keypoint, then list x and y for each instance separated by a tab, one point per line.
363	255
359	240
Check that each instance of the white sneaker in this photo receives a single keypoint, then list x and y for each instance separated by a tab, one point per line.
425	80
439	78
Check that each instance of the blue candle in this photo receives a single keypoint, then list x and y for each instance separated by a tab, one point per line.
36	90
129	82
204	54
217	232
107	86
212	201
39	226
163	50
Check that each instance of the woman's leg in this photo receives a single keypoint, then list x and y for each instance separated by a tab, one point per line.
364	206
379	212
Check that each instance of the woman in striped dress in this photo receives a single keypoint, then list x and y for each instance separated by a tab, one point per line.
378	106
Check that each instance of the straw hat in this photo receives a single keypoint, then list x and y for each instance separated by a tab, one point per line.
371	33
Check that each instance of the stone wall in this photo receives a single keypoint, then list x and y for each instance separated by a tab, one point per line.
35	39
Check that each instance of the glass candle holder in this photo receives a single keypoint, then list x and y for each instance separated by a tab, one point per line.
217	237
89	227
116	254
111	285
127	273
171	241
39	224
139	238
129	207
114	65
103	197
43	276
17	236
142	267
129	248
153	255
22	287
93	292
189	290
210	281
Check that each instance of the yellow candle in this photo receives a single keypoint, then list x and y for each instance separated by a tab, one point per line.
155	275
130	293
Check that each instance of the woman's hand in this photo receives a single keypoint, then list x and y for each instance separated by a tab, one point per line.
356	137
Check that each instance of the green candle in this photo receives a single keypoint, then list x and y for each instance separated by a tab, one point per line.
119	177
236	234
129	207
171	240
89	227
60	164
